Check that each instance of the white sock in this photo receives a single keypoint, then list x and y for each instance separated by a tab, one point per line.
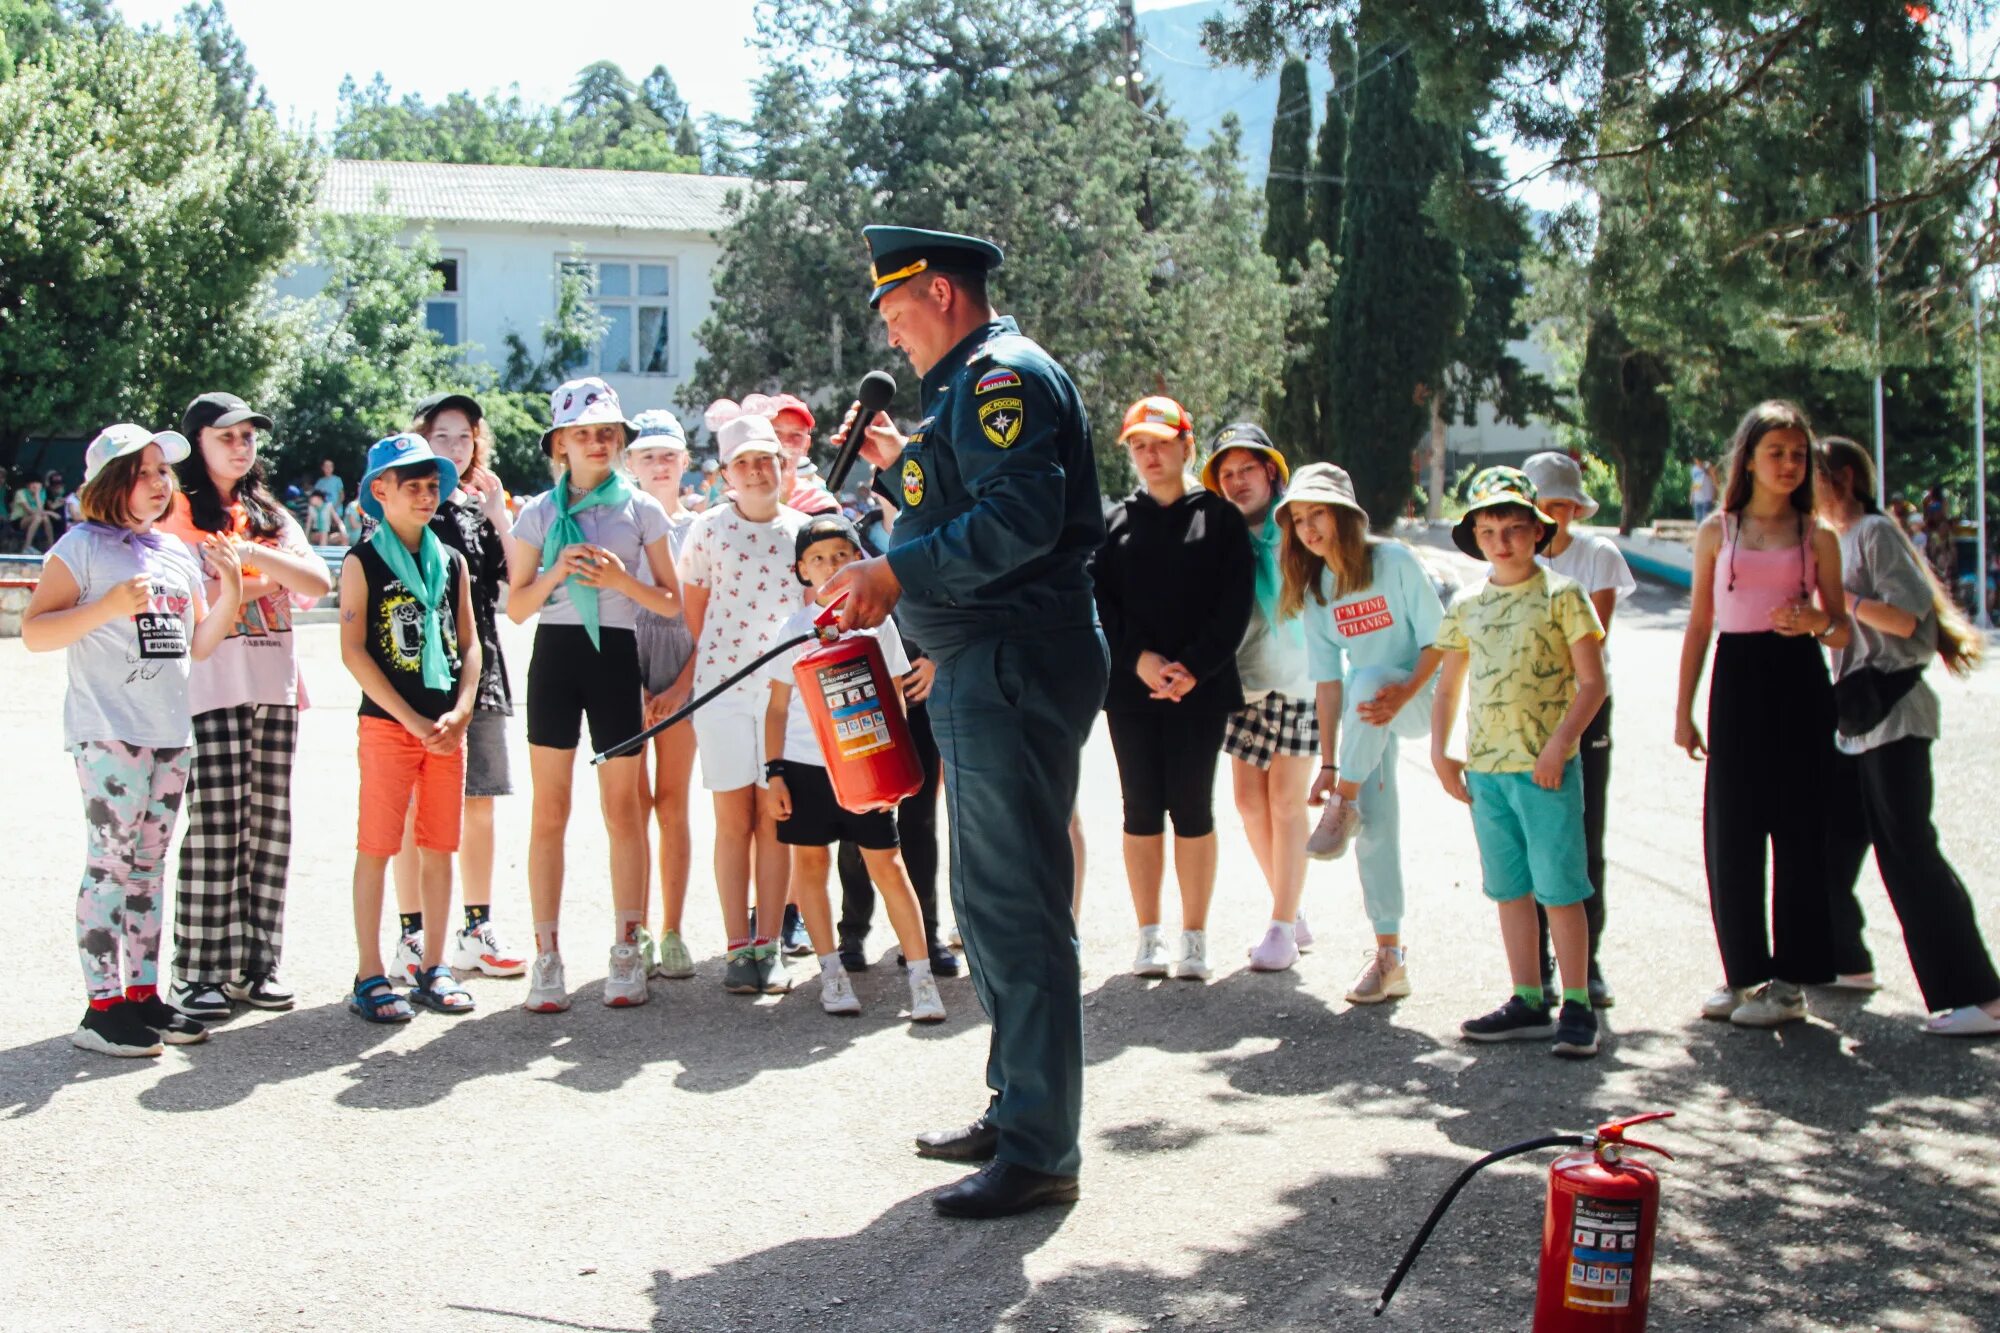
919	970
1288	929
829	965
1197	937
1150	932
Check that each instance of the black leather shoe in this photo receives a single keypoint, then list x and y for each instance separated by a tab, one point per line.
853	953
944	963
974	1143
1001	1189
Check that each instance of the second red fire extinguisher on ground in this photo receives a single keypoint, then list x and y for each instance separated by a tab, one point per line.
857	717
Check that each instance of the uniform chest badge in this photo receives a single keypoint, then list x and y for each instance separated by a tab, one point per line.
1000	421
913	483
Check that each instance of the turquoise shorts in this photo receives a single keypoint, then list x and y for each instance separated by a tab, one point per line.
1530	838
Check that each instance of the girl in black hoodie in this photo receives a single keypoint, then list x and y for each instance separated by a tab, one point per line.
1175	588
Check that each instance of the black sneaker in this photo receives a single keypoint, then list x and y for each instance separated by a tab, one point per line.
1600	993
854	952
1576	1031
1516	1020
115	1031
792	935
175	1028
203	1001
260	992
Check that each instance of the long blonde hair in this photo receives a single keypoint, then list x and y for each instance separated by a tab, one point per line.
1848	467
1353	562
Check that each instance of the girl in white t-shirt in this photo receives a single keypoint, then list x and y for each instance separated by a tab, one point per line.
736	573
121	600
1597	564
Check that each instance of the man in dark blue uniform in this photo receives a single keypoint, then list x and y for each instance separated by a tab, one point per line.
998	513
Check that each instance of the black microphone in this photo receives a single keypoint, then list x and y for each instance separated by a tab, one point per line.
877	391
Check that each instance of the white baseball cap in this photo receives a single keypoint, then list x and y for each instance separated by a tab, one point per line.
747	434
126	438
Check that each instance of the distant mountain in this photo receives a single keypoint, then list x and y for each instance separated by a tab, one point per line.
1202	93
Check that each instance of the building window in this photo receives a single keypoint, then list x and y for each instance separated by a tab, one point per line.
635	299
444	312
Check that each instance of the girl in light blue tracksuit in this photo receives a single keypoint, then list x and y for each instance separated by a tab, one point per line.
1370	614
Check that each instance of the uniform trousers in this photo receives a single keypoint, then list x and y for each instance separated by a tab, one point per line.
1011	717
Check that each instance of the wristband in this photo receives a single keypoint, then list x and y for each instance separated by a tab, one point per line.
1329	768
774	768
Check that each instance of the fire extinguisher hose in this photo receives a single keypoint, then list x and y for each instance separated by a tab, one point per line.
1464	1177
633	743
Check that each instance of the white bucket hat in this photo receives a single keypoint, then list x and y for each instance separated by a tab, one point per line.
1557	477
126	438
584	402
747	434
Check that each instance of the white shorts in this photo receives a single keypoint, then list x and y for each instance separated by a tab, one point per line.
729	739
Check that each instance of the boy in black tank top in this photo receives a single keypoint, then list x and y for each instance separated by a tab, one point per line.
408	637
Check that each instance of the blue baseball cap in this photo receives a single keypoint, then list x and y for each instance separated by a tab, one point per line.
402	451
658	429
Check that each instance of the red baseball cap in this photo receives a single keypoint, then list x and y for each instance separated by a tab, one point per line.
1156	418
784	402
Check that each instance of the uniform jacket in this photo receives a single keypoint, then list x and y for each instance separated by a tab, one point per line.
996	491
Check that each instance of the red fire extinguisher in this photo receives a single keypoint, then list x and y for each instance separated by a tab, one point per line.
857	717
1597	1230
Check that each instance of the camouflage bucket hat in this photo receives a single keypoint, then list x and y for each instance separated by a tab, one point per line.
1491	488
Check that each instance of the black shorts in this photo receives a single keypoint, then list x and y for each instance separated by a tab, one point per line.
819	821
568	679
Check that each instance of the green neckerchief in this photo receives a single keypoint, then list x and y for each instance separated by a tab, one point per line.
425	576
1264	542
566	531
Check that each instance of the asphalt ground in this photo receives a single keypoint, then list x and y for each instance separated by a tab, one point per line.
1257	1152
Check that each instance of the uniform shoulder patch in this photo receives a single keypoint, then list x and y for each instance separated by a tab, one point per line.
994	380
1000	421
913	483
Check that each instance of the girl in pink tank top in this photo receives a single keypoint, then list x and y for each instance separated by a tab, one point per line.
1767	576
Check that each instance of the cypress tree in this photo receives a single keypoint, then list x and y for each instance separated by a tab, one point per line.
1291	411
1400	293
1329	170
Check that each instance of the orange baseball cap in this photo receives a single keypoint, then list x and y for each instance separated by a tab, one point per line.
1156	418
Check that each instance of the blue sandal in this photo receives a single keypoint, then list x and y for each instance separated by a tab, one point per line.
376	1000
438	990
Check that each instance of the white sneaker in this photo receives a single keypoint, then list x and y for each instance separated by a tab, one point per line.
625	984
1194	956
926	1005
1276	951
1152	959
1771	1005
836	992
1855	981
1723	1001
1967	1021
1302	934
483	950
1382	977
409	958
547	991
673	959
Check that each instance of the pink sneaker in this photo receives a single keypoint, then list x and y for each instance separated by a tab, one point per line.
1338	824
1302	934
1274	953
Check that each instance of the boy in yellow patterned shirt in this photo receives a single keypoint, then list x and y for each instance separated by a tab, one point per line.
1531	645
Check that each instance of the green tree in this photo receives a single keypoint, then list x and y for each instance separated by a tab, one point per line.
138	234
1291	412
1400	295
237	92
1149	265
1329	177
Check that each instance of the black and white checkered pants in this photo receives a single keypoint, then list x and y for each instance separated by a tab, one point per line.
1274	725
229	913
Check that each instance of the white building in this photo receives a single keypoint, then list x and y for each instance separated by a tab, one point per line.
504	234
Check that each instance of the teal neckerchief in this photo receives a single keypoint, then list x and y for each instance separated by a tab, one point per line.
1264	542
425	576
566	531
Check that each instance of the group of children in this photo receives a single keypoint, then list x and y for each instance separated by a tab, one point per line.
174	597
174	602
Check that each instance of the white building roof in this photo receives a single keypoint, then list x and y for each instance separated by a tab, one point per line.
529	196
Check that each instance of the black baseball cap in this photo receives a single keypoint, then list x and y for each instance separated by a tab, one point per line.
438	402
825	527
219	409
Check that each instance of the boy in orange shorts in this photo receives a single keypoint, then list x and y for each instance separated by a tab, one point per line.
407	637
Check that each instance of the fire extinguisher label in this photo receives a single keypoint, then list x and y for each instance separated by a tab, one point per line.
1603	1241
859	728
